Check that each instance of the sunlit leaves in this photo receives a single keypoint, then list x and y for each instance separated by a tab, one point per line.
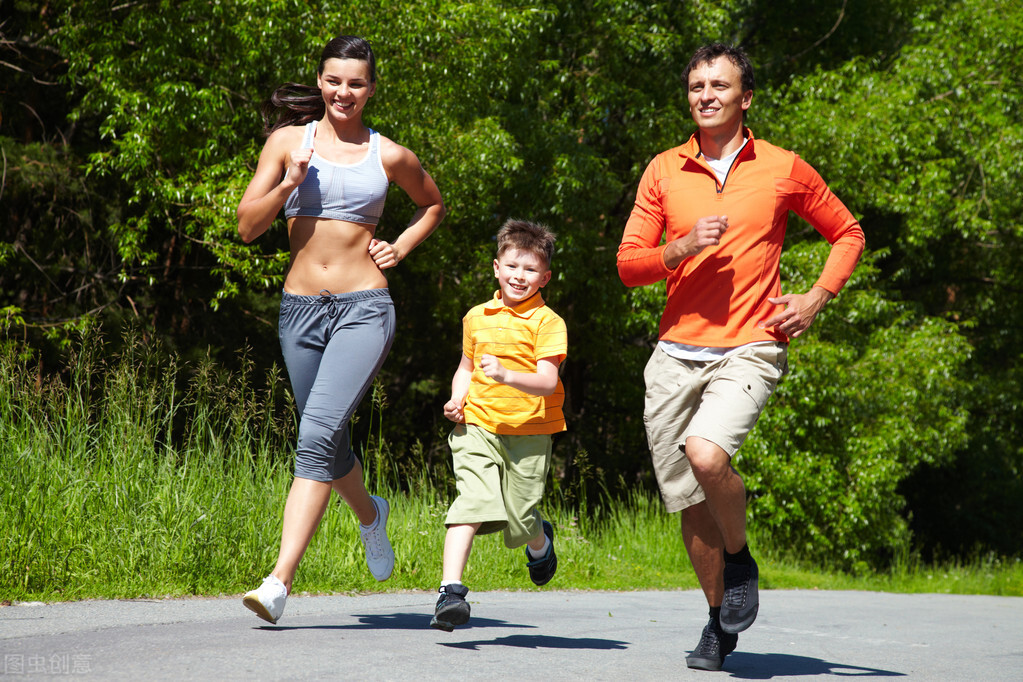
550	110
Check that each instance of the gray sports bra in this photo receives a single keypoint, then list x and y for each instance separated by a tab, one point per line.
352	192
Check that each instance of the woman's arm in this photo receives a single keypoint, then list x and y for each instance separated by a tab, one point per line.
404	169
267	191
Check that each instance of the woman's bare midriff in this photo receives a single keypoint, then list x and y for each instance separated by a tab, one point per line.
330	255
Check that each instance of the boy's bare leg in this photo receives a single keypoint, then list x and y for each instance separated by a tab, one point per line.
452	609
457	545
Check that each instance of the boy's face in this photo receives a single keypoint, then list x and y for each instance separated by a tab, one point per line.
520	274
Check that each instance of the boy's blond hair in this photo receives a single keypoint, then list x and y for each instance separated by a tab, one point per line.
526	236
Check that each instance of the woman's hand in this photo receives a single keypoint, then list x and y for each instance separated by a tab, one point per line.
298	166
383	254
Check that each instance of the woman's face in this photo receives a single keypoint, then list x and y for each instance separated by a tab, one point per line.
346	87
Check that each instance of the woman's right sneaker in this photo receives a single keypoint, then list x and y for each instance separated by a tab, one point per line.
452	609
267	601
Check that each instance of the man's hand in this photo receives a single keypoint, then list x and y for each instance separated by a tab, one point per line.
800	311
706	232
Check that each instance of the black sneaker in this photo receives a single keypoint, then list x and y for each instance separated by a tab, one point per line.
741	600
714	645
452	609
543	569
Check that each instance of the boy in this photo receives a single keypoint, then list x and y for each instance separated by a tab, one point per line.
506	402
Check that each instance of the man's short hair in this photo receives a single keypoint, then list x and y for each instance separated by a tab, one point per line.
526	236
736	55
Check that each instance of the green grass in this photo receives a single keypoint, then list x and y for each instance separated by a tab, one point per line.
135	477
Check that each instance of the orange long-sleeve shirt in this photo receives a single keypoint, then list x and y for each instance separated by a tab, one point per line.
717	297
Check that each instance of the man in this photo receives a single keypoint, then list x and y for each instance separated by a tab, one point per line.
721	202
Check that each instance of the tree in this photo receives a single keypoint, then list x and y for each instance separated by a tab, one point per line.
923	141
550	111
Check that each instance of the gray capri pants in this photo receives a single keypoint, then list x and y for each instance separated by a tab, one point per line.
333	346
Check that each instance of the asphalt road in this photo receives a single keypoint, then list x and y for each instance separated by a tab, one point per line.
534	636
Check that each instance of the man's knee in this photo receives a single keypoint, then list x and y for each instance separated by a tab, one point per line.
707	459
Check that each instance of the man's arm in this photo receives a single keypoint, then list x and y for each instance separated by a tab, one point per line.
642	259
819	206
641	254
706	232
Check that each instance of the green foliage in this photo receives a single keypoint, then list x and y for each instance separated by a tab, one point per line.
874	394
138	476
130	131
923	142
133	476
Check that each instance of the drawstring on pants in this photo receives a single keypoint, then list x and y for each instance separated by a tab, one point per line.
329	301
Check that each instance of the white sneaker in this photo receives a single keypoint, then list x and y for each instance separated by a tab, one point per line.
267	601
379	555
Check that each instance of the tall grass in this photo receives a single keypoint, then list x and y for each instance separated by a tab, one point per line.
119	482
135	475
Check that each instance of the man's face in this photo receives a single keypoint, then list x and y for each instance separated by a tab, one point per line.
716	98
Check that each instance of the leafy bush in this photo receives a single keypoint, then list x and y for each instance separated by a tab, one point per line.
874	393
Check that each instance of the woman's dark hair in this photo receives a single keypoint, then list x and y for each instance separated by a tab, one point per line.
296	104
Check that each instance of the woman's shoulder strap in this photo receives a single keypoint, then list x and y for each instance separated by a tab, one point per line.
310	134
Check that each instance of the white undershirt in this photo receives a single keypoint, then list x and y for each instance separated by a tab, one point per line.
722	166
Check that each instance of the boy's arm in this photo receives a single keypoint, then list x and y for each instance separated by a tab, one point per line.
459	389
541	383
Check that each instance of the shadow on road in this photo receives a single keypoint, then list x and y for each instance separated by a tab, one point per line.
749	666
393	621
540	642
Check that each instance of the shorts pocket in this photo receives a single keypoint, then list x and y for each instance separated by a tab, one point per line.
758	392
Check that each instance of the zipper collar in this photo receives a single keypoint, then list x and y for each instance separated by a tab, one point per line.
690	151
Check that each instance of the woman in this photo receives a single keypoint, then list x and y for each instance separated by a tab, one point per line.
330	173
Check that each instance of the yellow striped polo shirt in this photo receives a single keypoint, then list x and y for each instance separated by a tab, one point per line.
518	336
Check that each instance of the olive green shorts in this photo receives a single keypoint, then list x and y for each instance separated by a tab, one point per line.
500	481
717	400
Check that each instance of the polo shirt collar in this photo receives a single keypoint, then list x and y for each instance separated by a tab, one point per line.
525	309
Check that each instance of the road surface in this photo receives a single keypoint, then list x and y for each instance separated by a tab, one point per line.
534	636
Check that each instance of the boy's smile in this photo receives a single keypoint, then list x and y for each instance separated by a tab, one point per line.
520	274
